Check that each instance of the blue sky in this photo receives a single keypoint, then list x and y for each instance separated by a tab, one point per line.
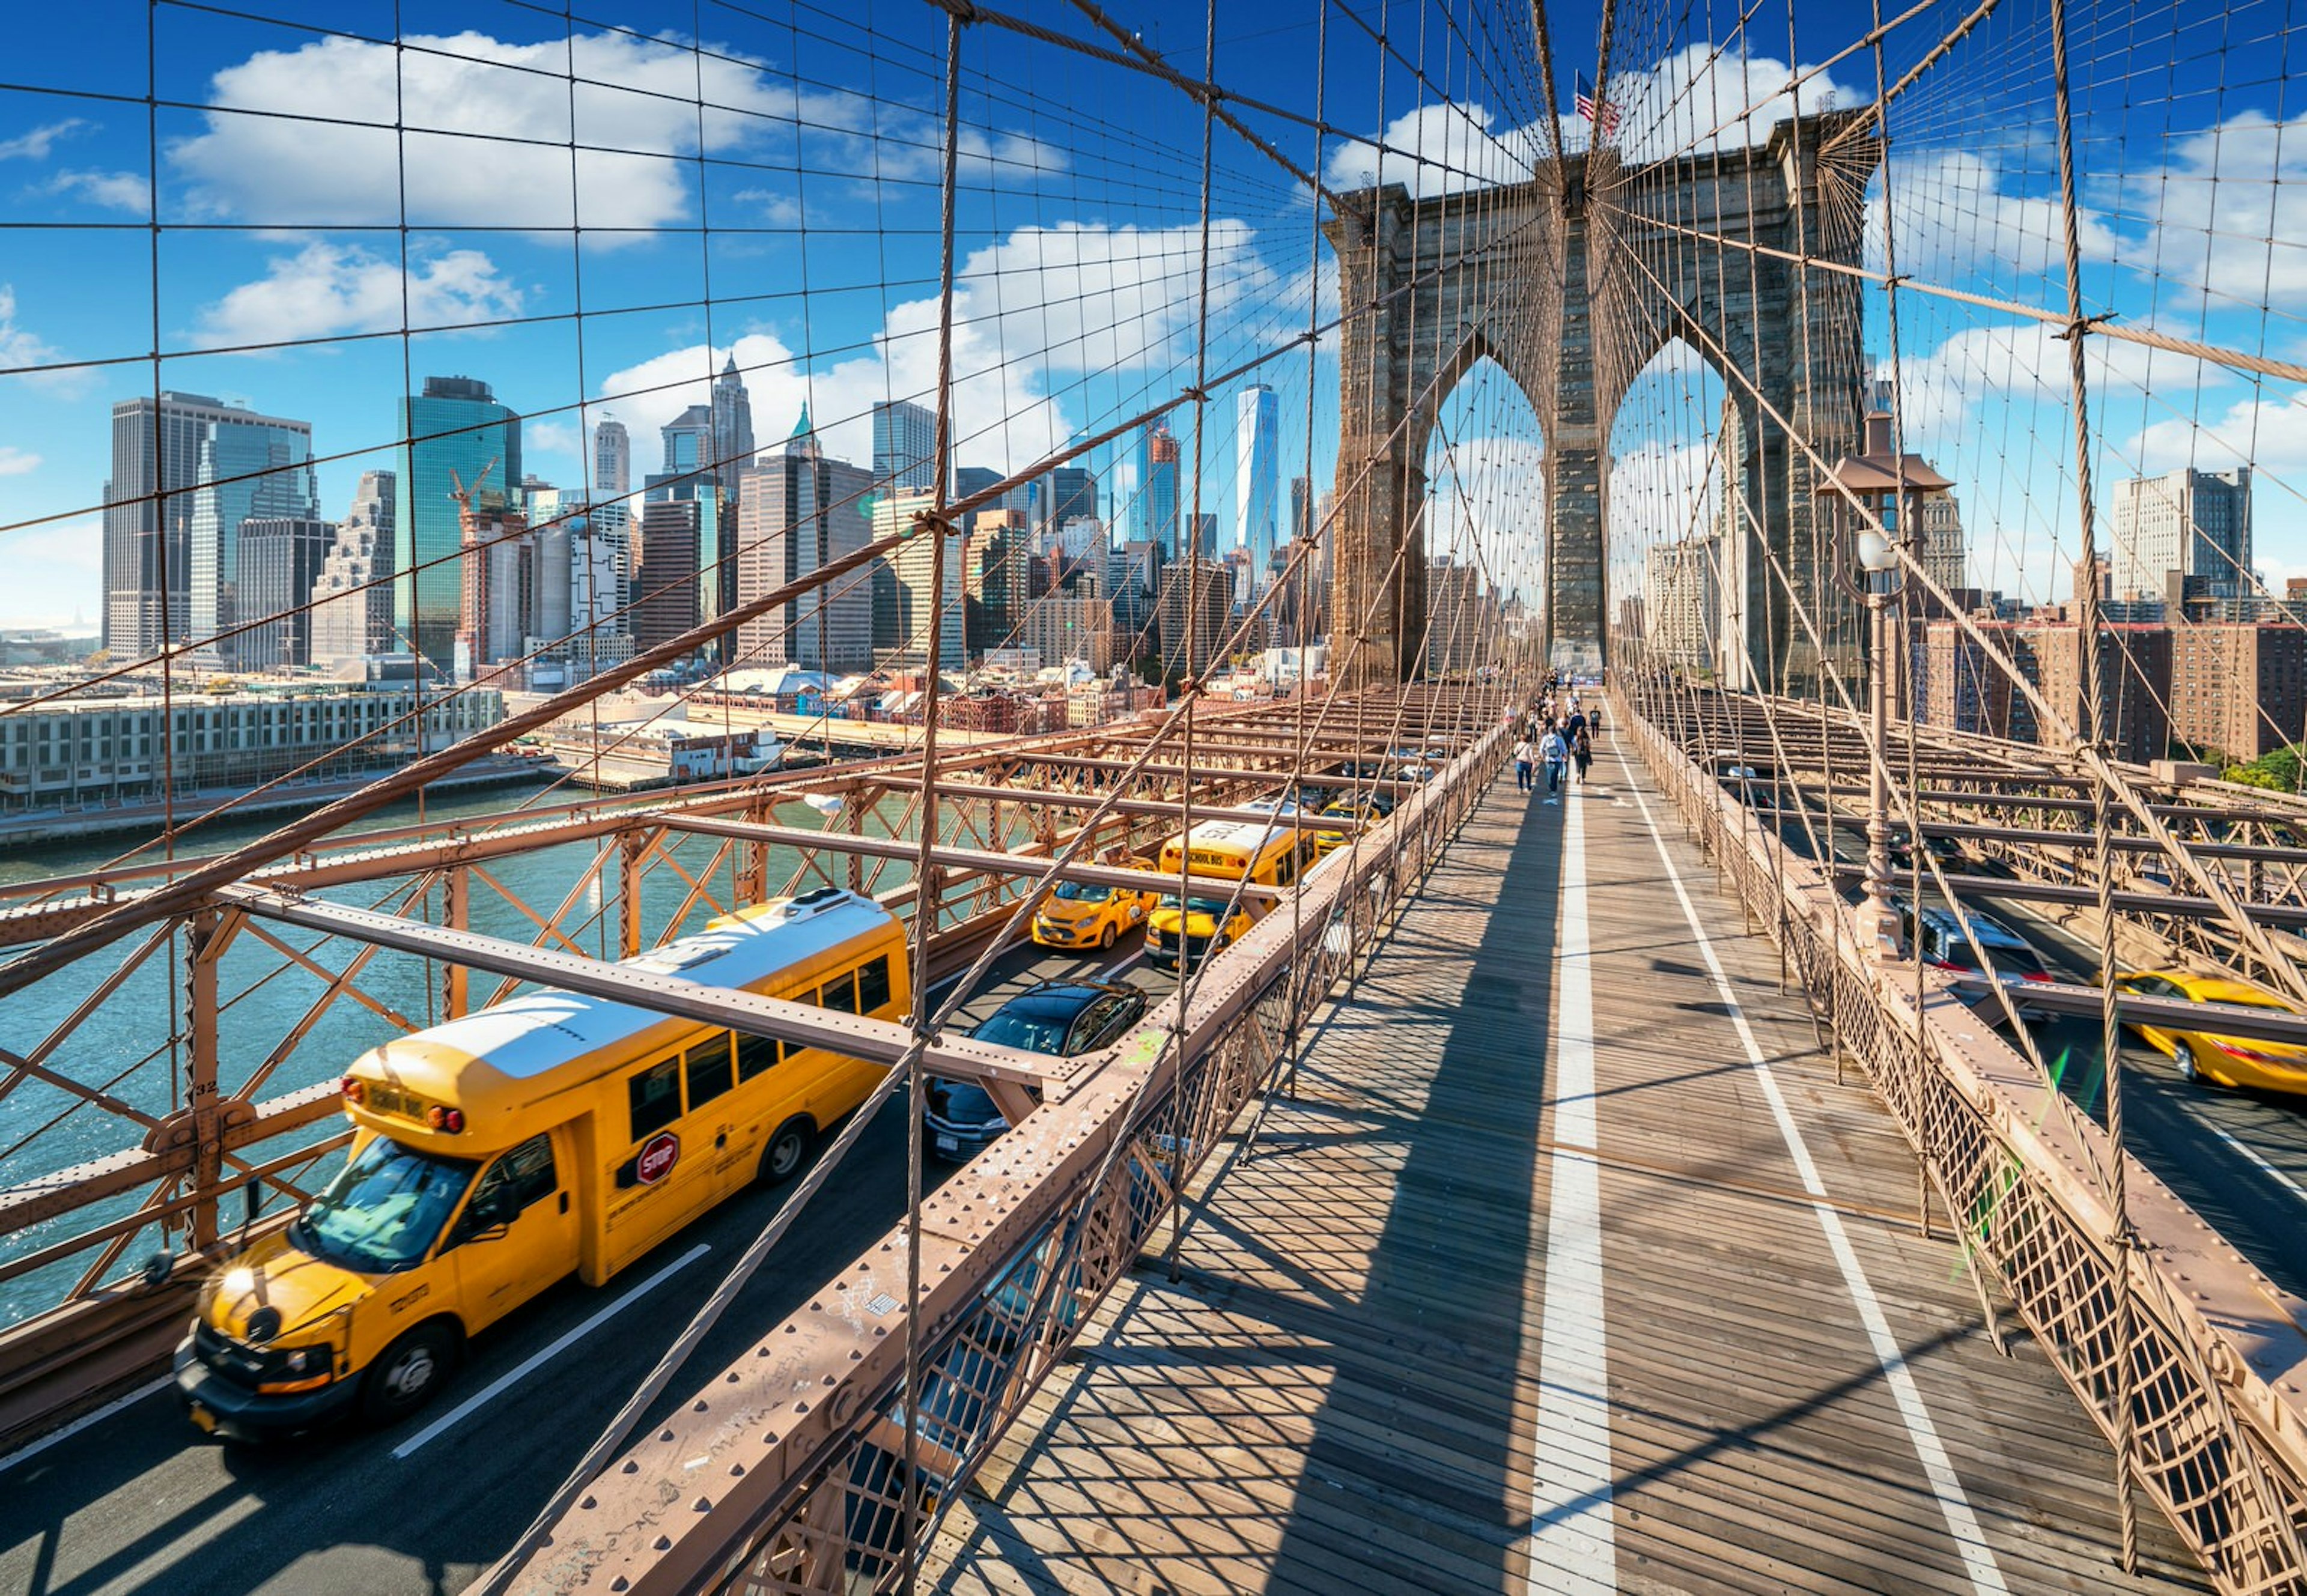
805	239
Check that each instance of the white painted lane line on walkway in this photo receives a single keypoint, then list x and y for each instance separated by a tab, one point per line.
1954	1506
2290	1185
1573	1546
536	1361
97	1416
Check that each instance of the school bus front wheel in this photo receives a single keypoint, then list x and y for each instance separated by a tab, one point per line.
410	1370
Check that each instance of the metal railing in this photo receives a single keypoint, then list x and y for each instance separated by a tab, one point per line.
2208	1356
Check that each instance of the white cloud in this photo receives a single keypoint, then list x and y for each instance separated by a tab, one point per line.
1697	100
55	574
1440	149
1707	97
550	437
1038	307
490	123
2228	210
35	144
2267	434
328	289
114	191
17	462
1488	507
21	346
1959	213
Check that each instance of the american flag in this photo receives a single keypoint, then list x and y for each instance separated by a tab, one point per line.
1600	112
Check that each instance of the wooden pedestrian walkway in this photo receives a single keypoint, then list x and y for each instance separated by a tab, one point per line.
1571	1269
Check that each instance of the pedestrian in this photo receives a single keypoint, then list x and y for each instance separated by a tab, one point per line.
1581	752
1554	751
1576	727
1594	721
1522	766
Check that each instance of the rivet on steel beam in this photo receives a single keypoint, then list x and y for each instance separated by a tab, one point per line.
662	1543
731	1378
620	1583
769	1439
702	1505
736	1471
665	1434
587	1502
699	1406
801	1407
631	1467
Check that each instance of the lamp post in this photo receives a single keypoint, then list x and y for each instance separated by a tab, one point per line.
1878	559
1876	500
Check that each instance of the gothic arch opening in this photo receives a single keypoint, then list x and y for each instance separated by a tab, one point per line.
1679	516
1484	515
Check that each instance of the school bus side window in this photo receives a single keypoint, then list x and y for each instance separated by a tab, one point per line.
707	1067
655	1097
840	992
754	1055
525	1175
874	984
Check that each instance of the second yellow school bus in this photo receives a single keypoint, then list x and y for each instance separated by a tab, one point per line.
1214	855
550	1135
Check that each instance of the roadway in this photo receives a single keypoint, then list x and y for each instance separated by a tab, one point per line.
2239	1159
136	1500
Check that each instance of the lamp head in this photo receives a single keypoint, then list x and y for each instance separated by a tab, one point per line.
1875	551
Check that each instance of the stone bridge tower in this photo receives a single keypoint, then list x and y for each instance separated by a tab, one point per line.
1572	282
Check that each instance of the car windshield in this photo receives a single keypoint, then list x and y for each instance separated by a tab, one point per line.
384	1209
1035	1033
1081	892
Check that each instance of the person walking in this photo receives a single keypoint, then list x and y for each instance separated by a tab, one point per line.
1522	766
1581	752
1554	751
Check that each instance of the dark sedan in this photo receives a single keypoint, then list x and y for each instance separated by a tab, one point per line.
1060	1018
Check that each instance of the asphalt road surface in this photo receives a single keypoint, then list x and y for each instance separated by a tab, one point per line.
139	1500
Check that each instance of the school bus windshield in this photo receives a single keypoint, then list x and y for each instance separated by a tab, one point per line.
1215	907
384	1210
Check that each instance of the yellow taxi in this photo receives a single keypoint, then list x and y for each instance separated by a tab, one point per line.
2203	1055
1328	842
1184	934
1084	915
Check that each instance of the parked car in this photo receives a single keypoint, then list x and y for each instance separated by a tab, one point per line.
2206	1056
1059	1017
1939	941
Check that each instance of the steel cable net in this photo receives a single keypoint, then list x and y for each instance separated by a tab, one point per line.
2040	258
994	366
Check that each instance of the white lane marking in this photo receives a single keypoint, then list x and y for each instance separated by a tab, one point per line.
2292	1187
1112	971
1573	1544
1954	1506
536	1361
96	1416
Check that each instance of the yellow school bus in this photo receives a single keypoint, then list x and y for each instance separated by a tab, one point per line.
1214	855
550	1135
